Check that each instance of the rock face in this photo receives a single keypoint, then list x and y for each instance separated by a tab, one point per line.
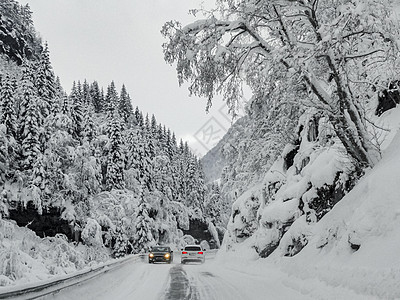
49	223
388	99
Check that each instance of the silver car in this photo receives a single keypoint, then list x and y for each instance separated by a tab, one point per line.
193	253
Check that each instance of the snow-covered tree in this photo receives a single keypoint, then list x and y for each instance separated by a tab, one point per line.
96	96
86	96
144	239
40	180
111	100
125	105
139	117
334	55
30	119
122	244
45	82
115	156
76	109
8	115
88	129
4	156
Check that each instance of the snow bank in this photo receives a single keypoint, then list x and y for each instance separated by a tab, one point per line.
357	244
243	221
314	167
353	243
24	257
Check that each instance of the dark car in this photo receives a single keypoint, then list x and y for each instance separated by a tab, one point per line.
161	254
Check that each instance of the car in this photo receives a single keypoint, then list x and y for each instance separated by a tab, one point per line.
192	253
161	254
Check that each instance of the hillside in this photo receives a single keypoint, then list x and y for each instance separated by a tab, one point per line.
353	246
306	176
84	176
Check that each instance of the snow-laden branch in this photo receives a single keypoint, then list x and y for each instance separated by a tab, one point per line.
355	56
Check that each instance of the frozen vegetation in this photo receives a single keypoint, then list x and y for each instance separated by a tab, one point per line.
305	185
311	171
353	246
25	257
84	176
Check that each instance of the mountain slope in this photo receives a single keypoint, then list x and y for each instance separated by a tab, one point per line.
351	243
356	244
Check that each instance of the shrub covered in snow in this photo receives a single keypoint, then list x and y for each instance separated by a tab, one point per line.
24	257
91	234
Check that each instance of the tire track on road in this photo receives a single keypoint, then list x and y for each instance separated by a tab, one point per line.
180	286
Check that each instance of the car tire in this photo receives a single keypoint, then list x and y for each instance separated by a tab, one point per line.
183	262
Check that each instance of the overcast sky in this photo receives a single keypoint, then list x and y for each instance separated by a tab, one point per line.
107	40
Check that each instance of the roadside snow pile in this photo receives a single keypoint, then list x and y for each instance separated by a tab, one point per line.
310	177
24	257
357	244
312	218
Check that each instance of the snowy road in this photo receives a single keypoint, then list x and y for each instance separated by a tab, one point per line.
212	280
140	280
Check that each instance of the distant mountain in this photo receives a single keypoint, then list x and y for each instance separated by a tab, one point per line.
214	161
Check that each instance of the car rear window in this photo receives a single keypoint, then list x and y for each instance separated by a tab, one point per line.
192	248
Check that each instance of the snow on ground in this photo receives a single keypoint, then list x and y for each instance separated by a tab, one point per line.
357	244
353	251
136	280
230	277
279	284
26	258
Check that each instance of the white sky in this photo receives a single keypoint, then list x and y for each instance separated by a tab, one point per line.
107	40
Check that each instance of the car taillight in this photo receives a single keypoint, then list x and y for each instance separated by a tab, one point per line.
184	252
200	252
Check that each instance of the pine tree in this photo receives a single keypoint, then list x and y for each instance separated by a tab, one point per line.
78	90
147	123
125	105
213	209
121	245
111	100
30	119
148	158
31	134
59	89
139	117
77	109
116	156
88	130
45	82
172	146
8	115
153	126
86	96
40	180
4	157
96	96
144	239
